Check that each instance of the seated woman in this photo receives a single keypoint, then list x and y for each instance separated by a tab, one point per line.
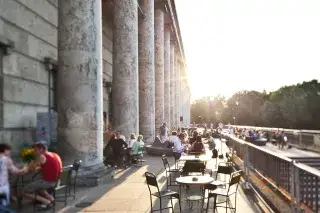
198	146
137	146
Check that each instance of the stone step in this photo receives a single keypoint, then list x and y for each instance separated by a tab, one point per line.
97	178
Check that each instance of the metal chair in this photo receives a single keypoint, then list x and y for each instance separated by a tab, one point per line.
168	170
226	192
223	169
73	180
152	182
193	167
139	157
61	183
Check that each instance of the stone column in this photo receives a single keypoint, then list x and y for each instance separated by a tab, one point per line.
79	106
159	68
125	91
167	76
146	71
183	103
172	87
177	92
181	93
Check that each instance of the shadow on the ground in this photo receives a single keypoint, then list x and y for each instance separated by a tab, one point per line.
86	196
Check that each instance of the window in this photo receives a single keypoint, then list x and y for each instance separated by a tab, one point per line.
52	90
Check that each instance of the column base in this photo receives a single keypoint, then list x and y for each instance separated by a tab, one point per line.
94	175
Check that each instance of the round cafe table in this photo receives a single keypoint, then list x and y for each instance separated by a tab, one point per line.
200	181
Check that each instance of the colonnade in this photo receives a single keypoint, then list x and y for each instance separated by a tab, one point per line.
149	81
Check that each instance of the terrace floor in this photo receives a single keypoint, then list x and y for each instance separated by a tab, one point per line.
128	193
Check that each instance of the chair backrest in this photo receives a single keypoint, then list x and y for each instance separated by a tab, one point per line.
234	182
225	169
76	165
151	180
65	175
235	178
165	162
193	167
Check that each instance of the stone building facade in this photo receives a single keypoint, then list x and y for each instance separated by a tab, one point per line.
119	62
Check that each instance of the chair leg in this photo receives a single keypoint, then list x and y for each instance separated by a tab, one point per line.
227	205
215	203
208	204
180	204
167	179
235	203
151	204
66	196
54	203
172	205
160	205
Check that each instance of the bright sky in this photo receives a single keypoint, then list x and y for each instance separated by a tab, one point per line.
232	45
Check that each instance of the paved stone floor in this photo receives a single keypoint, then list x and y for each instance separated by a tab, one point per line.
128	193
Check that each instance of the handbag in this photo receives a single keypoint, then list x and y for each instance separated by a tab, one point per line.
214	153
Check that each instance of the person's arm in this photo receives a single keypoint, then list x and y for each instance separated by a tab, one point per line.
12	168
35	166
124	143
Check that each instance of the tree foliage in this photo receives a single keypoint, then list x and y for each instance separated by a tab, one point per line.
295	106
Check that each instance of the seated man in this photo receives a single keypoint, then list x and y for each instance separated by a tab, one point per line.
50	167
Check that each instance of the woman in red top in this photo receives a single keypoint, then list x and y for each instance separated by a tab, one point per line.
50	167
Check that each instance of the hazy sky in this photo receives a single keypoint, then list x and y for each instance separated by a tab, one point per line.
232	45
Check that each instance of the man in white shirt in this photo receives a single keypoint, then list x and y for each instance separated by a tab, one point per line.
211	141
177	145
163	133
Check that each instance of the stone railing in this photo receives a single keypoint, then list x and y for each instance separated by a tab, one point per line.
297	182
304	139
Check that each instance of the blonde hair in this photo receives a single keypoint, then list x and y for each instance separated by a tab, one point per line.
140	138
132	136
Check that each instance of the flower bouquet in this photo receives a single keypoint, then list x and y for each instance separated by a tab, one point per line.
27	155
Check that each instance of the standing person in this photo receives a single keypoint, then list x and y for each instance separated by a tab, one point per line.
163	132
211	142
177	145
120	136
6	167
117	144
50	166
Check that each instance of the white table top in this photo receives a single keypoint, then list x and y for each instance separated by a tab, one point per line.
202	180
205	157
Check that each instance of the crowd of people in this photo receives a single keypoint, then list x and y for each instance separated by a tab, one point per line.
119	152
182	143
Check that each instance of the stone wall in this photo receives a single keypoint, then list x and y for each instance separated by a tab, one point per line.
32	26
